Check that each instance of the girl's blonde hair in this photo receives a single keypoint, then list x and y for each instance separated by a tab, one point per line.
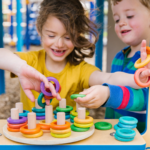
71	13
146	3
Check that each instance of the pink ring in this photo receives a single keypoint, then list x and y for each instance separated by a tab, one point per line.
137	80
17	121
42	86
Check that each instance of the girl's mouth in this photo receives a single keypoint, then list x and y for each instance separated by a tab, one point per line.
58	52
125	31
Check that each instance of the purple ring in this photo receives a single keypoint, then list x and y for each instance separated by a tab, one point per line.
40	117
42	86
17	121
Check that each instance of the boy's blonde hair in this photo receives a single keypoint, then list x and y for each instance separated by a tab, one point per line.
146	3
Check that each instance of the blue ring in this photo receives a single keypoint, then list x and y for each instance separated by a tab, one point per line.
128	120
116	127
40	114
38	110
55	112
71	120
125	133
122	139
24	114
66	116
127	126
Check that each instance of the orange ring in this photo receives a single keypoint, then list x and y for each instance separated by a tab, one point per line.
54	125
43	123
16	126
25	130
13	130
44	126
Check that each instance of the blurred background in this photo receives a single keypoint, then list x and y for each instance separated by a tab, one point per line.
18	33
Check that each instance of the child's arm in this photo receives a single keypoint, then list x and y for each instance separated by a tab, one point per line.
29	77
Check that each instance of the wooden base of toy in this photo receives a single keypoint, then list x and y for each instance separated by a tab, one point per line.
46	138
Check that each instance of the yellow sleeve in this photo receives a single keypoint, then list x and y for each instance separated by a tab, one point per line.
85	73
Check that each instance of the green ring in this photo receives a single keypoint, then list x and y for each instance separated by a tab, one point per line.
103	125
73	96
77	129
39	100
67	109
38	110
72	117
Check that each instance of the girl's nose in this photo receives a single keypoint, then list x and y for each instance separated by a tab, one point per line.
59	43
122	23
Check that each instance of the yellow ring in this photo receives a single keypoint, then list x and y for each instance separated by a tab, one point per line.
74	113
43	122
33	135
61	135
139	64
87	119
60	131
83	125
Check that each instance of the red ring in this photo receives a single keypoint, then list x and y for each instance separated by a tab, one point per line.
16	126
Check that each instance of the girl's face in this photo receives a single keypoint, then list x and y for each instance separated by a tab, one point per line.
55	40
132	21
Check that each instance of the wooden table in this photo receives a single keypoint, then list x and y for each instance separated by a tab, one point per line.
100	140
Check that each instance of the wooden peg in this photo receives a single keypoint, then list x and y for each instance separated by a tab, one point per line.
48	114
78	106
19	105
62	103
81	112
37	105
31	120
15	113
60	118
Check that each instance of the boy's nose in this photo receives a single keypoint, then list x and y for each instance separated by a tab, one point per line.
122	23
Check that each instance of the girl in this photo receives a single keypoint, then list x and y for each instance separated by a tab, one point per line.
62	26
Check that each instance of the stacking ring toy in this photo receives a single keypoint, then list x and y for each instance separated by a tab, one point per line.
128	120
17	121
61	135
13	130
75	113
24	114
77	129
83	125
43	122
67	109
25	130
127	126
36	135
73	96
125	133
103	125
60	131
39	100
72	117
44	126
54	125
66	116
116	127
16	126
71	120
88	119
38	110
43	87
40	117
123	139
55	112
40	114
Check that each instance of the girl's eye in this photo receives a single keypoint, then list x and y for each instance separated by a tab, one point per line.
67	38
51	36
117	21
129	17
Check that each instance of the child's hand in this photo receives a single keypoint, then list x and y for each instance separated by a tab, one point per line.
95	96
30	79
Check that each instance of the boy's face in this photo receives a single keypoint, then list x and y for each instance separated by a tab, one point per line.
132	21
55	40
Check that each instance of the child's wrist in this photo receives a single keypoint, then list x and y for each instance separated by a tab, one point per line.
17	71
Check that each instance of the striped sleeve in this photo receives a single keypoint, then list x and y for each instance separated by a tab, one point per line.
126	98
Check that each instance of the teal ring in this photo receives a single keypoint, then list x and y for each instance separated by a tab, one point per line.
122	139
74	96
72	117
38	110
39	100
125	133
116	127
67	109
128	120
24	114
121	125
66	116
55	112
71	120
40	114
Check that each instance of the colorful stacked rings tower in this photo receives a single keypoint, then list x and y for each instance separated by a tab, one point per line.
15	122
74	113
60	128
82	122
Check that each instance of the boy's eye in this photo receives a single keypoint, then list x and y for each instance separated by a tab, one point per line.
129	17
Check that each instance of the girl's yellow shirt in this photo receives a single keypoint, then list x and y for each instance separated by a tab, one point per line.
73	79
